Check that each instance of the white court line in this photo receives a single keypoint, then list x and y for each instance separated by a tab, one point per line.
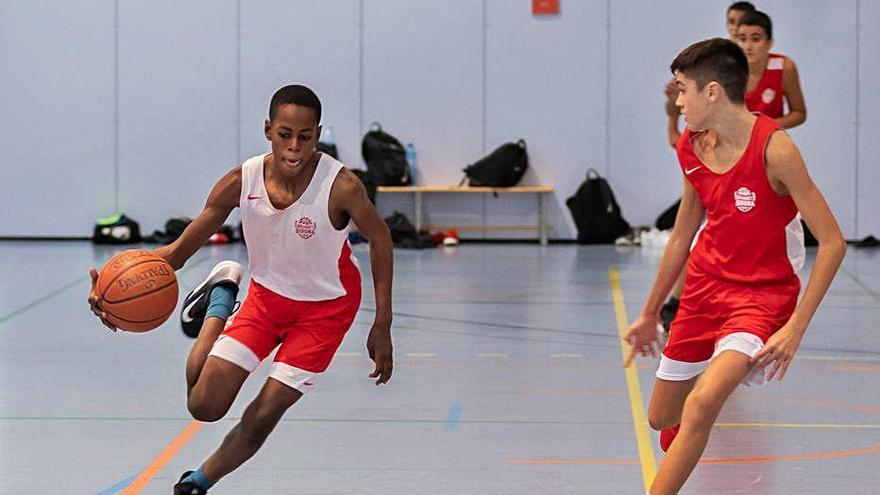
420	354
348	354
565	355
492	354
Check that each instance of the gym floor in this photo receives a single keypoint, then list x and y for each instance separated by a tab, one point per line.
508	380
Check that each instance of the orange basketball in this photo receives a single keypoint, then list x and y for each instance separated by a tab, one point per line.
138	290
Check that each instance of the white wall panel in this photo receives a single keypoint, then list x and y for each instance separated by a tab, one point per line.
299	42
825	53
423	80
195	79
177	97
56	133
546	84
868	173
645	38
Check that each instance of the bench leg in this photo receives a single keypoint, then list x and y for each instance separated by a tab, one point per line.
417	206
542	227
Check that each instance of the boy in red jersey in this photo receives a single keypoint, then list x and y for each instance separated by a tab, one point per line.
739	315
773	78
773	83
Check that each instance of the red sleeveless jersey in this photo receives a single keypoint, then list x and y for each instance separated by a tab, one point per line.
752	234
767	95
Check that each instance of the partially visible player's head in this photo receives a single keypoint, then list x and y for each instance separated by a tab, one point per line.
709	73
293	127
734	13
754	33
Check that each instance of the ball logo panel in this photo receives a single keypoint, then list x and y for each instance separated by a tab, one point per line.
145	279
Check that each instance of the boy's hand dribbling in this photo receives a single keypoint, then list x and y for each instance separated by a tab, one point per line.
95	300
642	336
779	351
381	352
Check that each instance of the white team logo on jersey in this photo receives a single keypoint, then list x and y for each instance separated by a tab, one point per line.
305	227
767	95
745	199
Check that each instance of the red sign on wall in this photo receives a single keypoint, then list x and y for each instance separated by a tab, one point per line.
545	7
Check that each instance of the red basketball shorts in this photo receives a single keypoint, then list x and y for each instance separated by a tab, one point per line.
308	332
715	315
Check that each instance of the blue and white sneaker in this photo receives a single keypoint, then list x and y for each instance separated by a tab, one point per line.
195	305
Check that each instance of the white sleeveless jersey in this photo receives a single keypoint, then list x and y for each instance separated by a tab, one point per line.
295	252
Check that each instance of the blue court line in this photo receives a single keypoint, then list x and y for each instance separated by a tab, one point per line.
118	487
453	417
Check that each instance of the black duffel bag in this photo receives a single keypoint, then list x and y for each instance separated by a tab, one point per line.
504	167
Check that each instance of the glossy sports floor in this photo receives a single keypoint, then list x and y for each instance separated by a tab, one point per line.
508	380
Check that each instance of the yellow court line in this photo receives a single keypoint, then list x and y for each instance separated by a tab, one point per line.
640	422
143	479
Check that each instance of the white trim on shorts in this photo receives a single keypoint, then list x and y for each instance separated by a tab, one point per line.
229	349
748	344
744	342
679	371
292	376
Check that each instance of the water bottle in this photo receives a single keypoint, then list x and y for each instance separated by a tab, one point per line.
411	161
327	143
327	136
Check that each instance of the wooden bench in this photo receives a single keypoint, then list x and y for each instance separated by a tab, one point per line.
418	191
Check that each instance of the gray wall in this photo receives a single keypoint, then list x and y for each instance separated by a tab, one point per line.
140	106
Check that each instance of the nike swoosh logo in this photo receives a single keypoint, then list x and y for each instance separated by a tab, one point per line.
185	315
254	197
686	172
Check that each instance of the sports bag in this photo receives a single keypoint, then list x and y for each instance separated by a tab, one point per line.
118	229
385	158
666	220
596	212
504	167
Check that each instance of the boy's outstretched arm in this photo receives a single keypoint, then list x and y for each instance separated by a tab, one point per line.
642	334
224	197
786	171
355	202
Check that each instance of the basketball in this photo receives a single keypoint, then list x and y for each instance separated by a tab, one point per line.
138	290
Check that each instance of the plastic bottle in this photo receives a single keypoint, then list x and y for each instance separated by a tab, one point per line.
327	143
327	136
411	161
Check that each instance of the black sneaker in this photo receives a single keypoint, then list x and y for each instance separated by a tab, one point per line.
182	488
667	313
195	305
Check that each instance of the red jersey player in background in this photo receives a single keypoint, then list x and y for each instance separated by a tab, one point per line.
739	315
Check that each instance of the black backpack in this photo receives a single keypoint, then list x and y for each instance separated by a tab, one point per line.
666	220
385	158
504	167
596	212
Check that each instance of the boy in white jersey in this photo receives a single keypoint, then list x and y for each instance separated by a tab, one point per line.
296	206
